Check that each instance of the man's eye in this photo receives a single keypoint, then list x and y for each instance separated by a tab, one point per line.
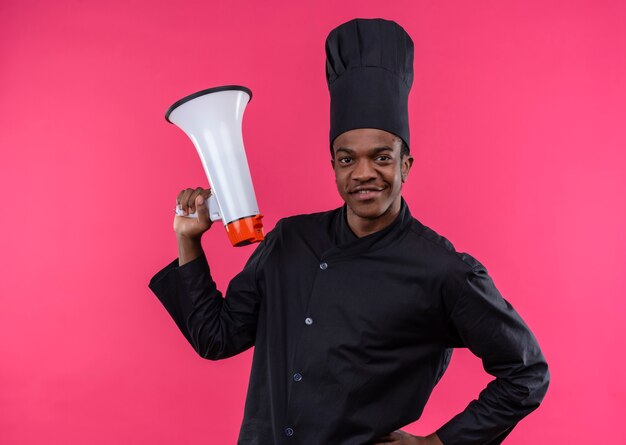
383	158
345	160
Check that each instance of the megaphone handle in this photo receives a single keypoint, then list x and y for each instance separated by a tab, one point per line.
214	210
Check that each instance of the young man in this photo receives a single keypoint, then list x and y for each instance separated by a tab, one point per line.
354	312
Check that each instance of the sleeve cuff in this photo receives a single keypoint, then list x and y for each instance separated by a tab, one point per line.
166	283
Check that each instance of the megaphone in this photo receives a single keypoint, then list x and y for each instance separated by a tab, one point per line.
212	119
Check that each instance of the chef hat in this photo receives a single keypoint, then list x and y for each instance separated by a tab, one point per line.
369	70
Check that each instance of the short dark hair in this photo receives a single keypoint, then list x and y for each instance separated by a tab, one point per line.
404	150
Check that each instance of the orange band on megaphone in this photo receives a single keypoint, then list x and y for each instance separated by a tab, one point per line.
245	231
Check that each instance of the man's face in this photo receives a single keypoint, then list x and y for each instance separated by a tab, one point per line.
369	171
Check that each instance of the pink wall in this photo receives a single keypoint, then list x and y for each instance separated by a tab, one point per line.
517	113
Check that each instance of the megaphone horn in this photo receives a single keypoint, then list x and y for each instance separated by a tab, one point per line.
212	119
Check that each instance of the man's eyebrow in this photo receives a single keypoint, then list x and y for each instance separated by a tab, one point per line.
373	151
377	150
347	150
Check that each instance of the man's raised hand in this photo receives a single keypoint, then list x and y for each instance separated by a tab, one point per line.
190	201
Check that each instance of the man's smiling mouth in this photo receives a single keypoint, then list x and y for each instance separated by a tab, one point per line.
365	193
363	190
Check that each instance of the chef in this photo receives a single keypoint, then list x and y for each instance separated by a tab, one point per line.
354	312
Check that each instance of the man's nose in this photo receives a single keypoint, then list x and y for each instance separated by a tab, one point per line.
363	171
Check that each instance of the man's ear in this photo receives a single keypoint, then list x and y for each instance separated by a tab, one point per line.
332	162
407	162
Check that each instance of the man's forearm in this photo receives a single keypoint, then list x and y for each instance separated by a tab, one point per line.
188	249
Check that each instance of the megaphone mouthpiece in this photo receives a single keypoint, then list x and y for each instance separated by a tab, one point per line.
204	92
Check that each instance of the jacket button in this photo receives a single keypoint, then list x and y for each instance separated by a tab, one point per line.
288	432
308	321
297	377
324	266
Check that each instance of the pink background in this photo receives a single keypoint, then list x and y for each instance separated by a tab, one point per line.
517	115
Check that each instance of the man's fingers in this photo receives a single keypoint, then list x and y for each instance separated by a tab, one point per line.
186	198
389	439
201	208
399	434
393	438
183	199
192	198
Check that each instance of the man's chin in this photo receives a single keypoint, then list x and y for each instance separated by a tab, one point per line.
367	209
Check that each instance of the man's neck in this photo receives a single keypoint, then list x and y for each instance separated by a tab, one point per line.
361	226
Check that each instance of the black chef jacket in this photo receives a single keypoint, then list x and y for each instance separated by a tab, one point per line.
352	334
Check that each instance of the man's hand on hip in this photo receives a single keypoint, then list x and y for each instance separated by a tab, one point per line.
403	438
